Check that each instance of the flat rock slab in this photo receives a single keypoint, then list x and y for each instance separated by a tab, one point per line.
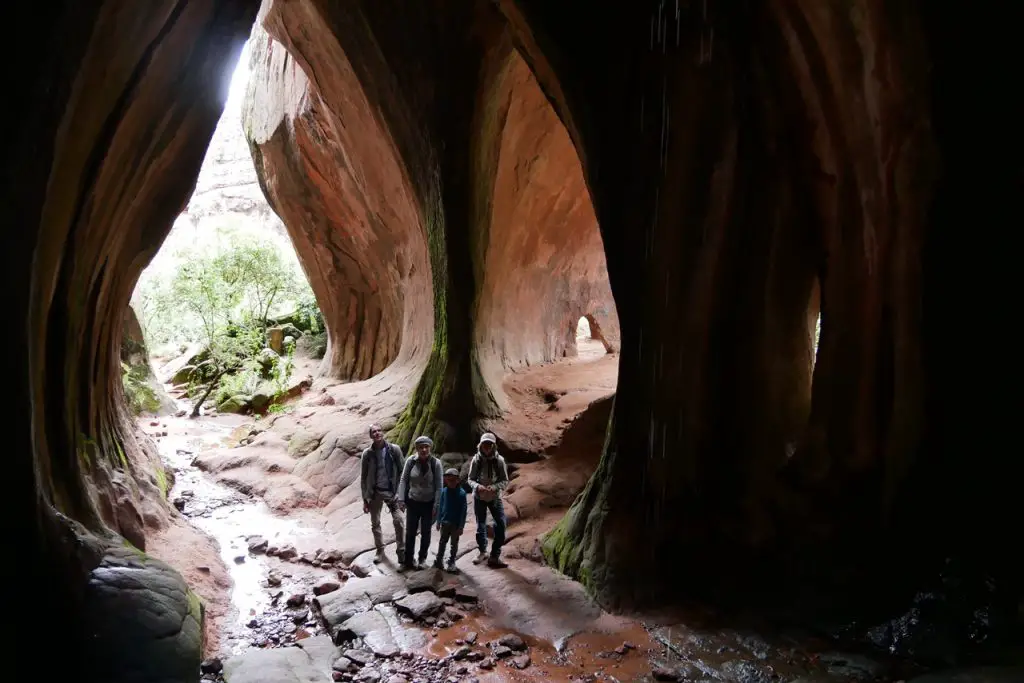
535	601
425	580
357	596
420	605
375	631
308	662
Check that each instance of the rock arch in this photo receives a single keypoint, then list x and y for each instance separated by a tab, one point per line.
540	259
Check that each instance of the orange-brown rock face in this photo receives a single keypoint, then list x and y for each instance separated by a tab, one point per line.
543	265
114	124
352	164
740	157
333	174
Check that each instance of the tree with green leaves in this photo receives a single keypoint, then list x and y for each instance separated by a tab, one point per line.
222	298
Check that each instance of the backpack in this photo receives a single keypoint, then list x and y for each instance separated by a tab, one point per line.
430	470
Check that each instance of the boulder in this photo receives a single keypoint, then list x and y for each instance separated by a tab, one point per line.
141	617
373	628
359	657
425	580
291	331
357	596
261	400
266	359
521	662
295	319
238	403
275	339
420	605
512	642
325	587
257	544
183	375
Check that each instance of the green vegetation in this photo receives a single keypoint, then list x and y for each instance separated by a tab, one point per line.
141	397
222	298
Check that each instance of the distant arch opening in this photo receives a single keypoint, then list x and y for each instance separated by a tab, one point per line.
590	342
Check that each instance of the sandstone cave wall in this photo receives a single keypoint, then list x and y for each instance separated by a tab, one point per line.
332	172
736	154
454	148
744	153
417	70
114	115
540	260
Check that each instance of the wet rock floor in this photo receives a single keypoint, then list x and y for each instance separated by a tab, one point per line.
311	617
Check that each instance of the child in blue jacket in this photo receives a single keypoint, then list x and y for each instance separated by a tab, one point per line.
451	518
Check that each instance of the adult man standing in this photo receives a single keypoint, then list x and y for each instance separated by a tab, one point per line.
381	472
488	477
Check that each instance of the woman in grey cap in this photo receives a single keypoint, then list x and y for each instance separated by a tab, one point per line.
419	494
488	477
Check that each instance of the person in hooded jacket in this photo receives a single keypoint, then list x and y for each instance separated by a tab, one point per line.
488	478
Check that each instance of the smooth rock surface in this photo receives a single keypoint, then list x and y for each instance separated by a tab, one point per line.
146	624
308	662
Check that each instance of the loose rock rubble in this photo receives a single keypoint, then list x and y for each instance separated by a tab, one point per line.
379	628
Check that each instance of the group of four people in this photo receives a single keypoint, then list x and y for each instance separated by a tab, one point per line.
419	496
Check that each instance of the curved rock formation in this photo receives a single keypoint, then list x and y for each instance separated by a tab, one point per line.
331	170
112	132
736	154
344	154
540	262
750	150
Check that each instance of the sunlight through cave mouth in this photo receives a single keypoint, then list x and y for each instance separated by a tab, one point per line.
225	308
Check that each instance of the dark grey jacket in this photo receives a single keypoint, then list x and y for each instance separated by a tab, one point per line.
369	470
421	484
488	471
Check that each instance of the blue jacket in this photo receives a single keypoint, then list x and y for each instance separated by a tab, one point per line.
453	507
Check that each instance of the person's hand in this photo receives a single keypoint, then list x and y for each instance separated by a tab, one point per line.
401	506
366	507
433	515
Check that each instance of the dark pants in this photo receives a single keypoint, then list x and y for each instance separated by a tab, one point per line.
480	508
417	516
446	535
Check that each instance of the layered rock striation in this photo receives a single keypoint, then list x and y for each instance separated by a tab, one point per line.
749	164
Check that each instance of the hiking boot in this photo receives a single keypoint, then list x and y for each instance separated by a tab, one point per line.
422	563
400	557
496	563
481	557
451	568
379	557
438	563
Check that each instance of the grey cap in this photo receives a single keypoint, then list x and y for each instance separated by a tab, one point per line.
487	437
451	472
423	439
